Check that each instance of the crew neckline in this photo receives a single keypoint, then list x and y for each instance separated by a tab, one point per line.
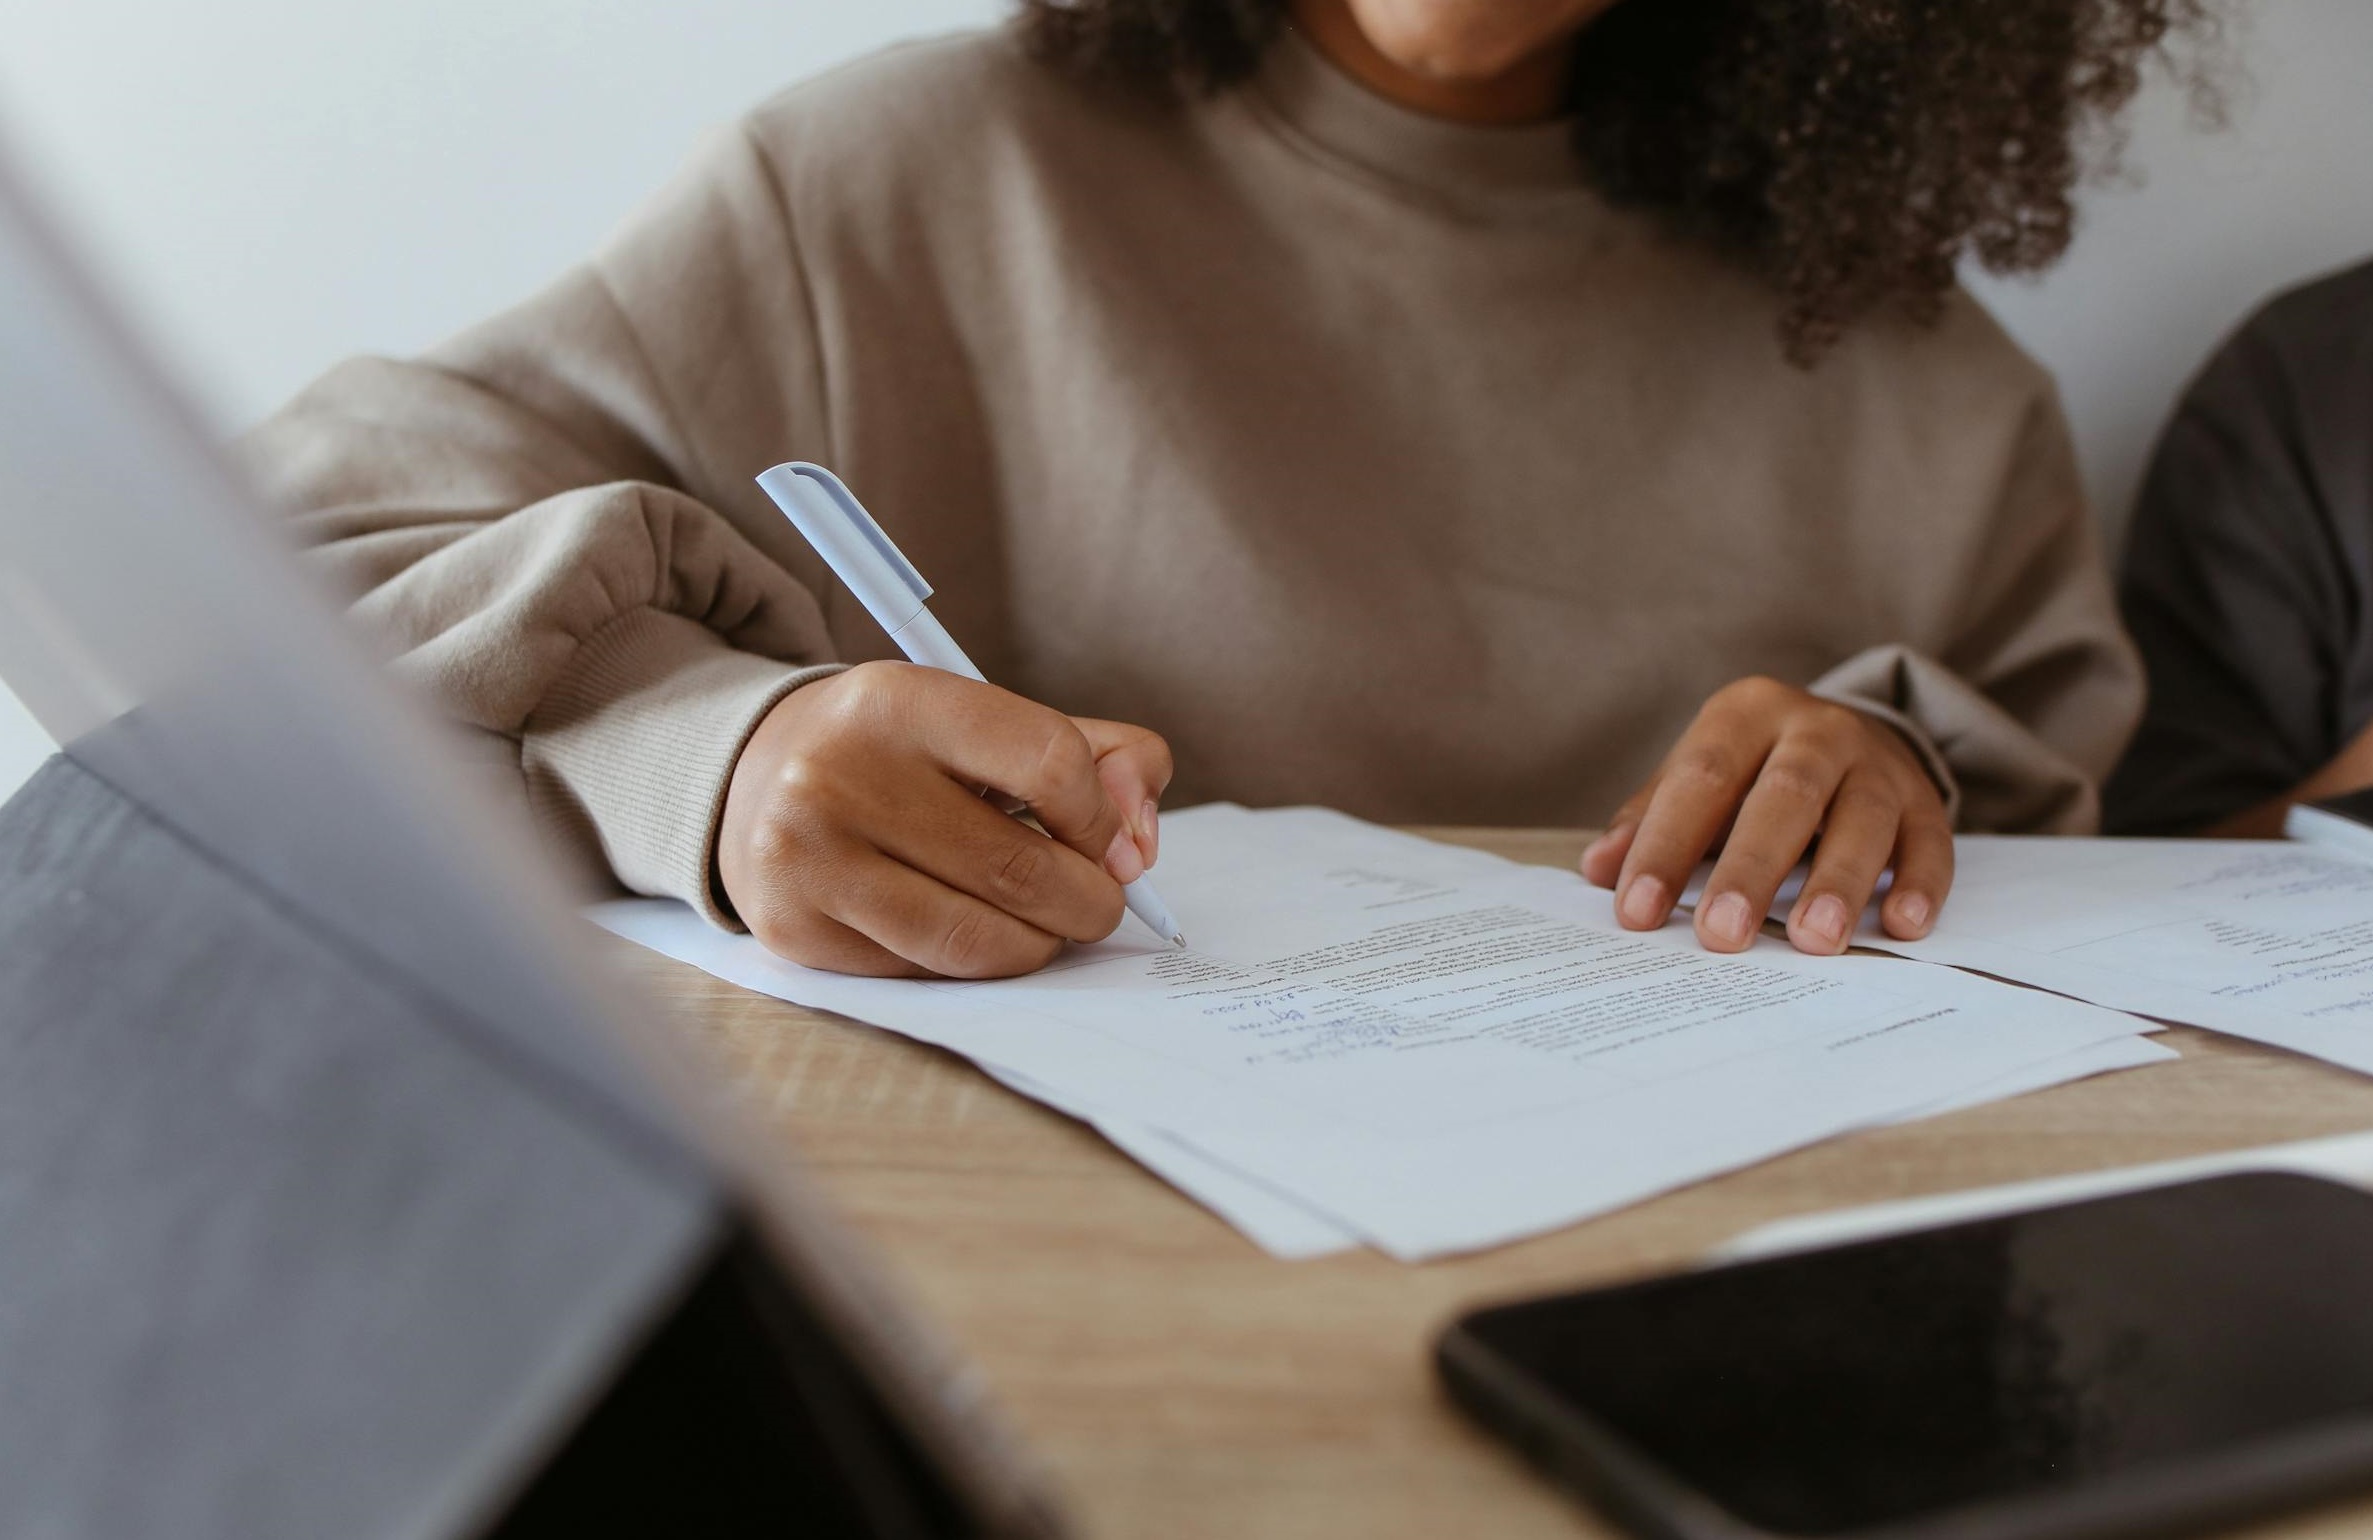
1332	114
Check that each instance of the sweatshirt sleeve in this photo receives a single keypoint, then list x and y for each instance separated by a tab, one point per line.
2243	579
528	528
2025	706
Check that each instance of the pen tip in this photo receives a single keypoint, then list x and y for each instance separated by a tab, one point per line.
1178	938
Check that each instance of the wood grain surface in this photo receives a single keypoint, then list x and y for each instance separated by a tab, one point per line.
1179	1383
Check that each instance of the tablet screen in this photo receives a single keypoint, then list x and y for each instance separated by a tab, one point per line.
1837	1390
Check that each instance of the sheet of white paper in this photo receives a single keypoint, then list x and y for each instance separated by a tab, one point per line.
2264	939
1439	1050
1269	1219
2343	1158
2084	1063
2104	1058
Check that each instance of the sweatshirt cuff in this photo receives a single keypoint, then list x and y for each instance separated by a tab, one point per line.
1994	773
1924	749
633	748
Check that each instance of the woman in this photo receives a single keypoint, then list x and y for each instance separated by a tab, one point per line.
1433	408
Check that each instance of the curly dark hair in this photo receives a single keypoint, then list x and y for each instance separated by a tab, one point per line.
1852	152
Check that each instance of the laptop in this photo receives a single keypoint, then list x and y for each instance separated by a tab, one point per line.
340	1192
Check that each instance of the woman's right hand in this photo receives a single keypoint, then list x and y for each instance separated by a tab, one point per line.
855	836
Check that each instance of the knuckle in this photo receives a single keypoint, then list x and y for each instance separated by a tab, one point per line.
1797	780
1868	799
978	944
795	931
809	796
1755	871
967	948
1920	796
1836	730
774	835
1754	692
1063	754
1848	870
802	779
883	699
1924	814
1850	877
1702	767
1021	876
869	687
790	849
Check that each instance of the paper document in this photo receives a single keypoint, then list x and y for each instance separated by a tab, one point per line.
1431	1049
2341	1158
1271	1220
2264	939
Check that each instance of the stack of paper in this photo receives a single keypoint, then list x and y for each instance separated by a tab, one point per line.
1380	1039
2263	939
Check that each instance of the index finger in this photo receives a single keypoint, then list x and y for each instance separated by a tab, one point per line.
1135	765
1697	794
1035	754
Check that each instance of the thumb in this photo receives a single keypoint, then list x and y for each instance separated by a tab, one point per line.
1135	766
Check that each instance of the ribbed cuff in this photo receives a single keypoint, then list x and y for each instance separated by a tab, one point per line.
2002	776
635	745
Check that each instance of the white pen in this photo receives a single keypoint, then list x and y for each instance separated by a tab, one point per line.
893	593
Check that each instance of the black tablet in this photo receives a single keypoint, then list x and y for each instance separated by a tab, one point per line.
2152	1362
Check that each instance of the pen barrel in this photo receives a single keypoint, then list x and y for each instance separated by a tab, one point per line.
927	642
1147	905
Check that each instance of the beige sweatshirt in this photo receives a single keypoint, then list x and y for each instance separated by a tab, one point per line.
1373	460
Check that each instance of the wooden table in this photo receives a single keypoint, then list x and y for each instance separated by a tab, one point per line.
1178	1382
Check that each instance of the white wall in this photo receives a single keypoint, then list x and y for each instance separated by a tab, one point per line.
277	183
274	184
2203	227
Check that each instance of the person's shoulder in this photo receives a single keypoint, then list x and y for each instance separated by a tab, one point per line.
2314	337
929	106
2289	386
2278	407
1954	367
1982	347
2329	308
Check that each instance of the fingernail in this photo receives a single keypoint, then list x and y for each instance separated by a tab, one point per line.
1911	911
1149	831
1727	919
1825	920
1643	903
1121	858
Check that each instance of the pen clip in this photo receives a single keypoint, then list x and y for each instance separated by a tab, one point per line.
871	564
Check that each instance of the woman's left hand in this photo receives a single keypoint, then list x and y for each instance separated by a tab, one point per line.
1777	767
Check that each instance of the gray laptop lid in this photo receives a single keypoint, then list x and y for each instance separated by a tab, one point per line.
152	624
360	1266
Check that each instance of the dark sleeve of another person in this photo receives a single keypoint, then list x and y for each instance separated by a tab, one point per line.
2246	572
